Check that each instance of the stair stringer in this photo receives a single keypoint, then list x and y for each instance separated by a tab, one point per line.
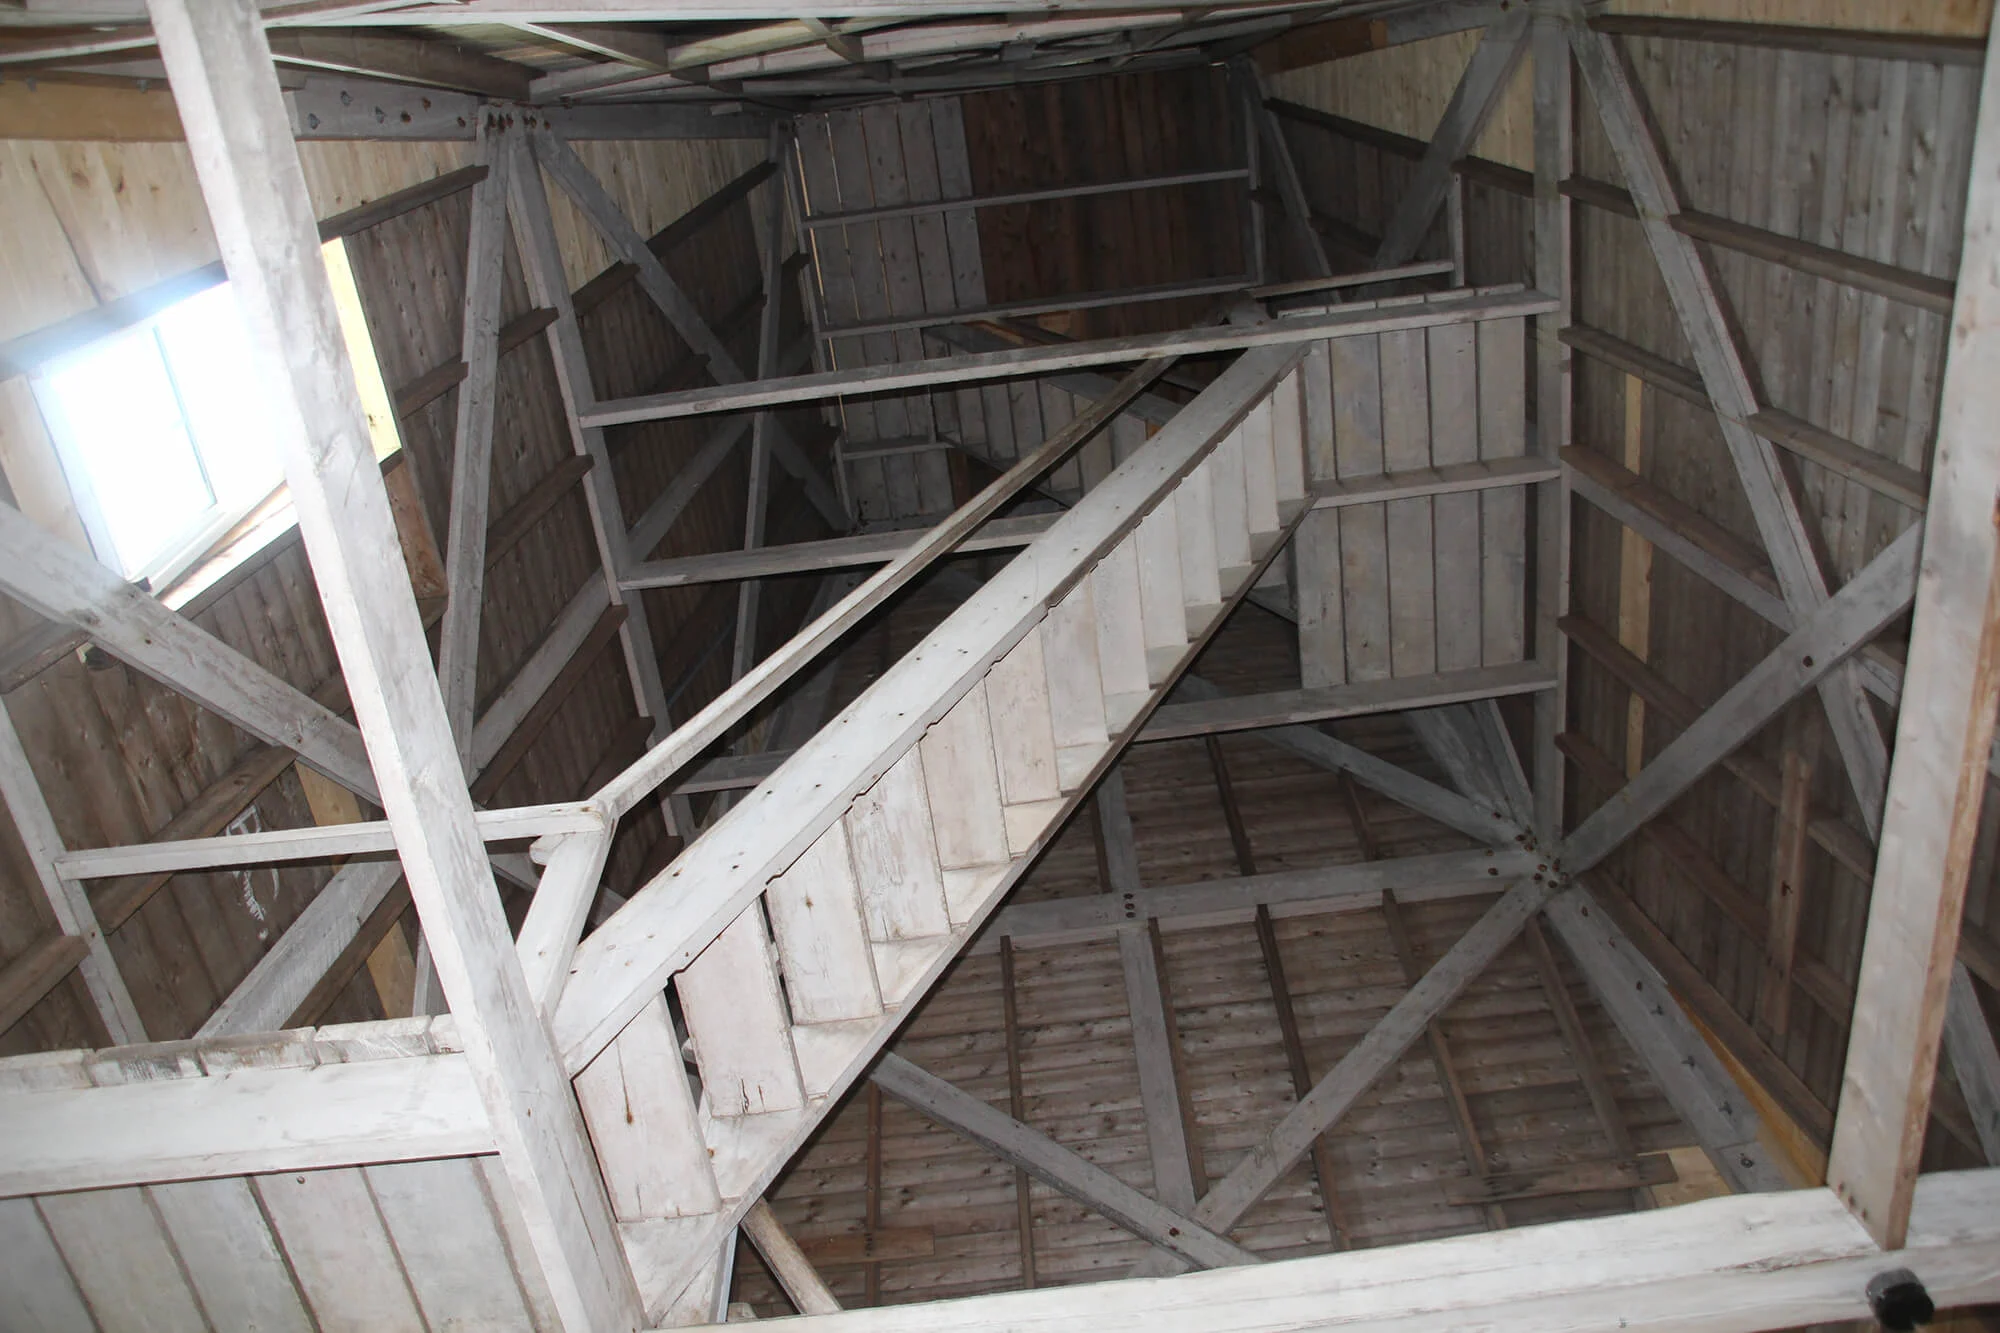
792	811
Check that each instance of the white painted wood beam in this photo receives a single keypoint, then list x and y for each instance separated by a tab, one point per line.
249	1120
1943	734
234	116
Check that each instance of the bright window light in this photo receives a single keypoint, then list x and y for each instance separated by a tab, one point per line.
165	432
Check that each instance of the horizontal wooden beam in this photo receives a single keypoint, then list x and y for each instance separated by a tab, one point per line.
977	367
1905	485
871	548
1872	275
1283	708
973	202
1340	888
1042	305
1745	1262
248	1120
1857	42
315	843
1426	268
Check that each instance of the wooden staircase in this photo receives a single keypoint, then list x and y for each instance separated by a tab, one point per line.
820	909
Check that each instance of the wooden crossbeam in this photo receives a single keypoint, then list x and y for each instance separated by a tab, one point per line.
1478	92
270	1119
1341	1087
978	367
1825	638
65	584
1638	1001
1057	1166
1727	380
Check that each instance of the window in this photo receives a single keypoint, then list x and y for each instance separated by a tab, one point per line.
165	435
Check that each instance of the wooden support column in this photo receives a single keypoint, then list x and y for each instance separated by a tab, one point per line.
465	559
238	134
744	654
1284	168
1555	153
1942	737
1486	77
1017	1106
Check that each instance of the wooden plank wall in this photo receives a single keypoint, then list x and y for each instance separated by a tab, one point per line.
1414	587
120	756
1041	137
393	1246
1090	130
946	1221
1859	155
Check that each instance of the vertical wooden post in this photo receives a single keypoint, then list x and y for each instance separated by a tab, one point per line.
1938	775
1017	1106
1635	580
239	136
756	503
1554	130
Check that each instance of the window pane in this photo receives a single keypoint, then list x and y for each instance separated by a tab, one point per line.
227	406
121	427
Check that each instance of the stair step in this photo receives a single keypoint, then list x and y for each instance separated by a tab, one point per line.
1074	762
816	917
1195	508
1121	637
1120	709
1024	744
1074	679
898	963
741	1028
1160	597
894	851
826	1050
966	888
1028	821
964	787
